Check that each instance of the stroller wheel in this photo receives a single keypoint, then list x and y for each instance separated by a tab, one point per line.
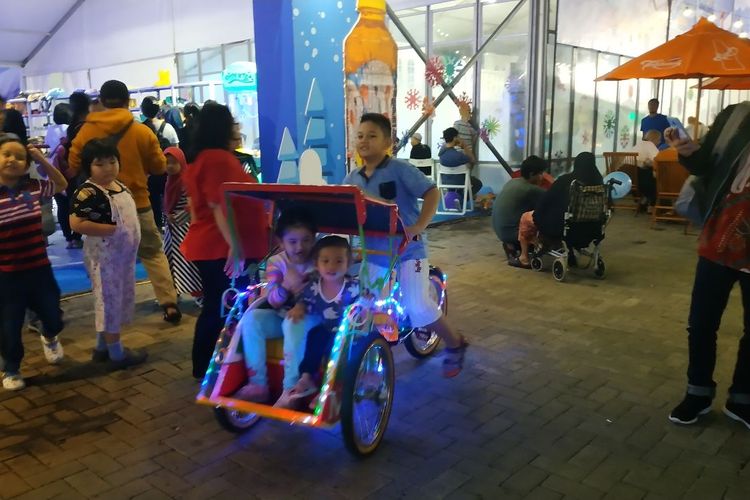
599	268
559	270
537	264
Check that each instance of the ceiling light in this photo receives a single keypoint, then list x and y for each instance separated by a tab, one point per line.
738	23
688	12
712	18
743	34
458	52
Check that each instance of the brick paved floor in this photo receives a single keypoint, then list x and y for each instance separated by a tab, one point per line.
565	395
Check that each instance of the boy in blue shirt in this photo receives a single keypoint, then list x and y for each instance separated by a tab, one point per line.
398	182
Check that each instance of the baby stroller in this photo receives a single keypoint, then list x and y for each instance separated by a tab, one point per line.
586	217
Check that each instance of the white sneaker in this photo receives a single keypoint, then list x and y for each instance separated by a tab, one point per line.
13	382
53	350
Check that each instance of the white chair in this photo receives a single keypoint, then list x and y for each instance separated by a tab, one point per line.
428	163
468	202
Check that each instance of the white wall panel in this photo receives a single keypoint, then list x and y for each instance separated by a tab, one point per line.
98	35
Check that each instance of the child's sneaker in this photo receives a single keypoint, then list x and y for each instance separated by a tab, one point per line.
738	412
453	359
13	382
53	349
690	409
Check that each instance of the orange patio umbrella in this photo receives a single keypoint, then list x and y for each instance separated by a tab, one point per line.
728	83
704	51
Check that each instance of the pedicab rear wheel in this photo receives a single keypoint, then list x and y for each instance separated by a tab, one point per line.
422	343
368	395
235	421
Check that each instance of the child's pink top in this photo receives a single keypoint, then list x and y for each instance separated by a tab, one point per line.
276	270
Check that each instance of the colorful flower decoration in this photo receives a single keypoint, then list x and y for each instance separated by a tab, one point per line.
452	66
484	134
609	124
464	100
428	107
434	71
491	125
404	139
625	136
412	99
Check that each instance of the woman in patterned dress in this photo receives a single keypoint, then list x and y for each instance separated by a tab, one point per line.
186	277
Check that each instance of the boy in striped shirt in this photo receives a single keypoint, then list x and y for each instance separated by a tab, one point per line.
26	279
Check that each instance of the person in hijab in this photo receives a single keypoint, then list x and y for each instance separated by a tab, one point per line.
549	215
548	219
186	277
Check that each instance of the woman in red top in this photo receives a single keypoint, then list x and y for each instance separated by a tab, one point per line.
208	242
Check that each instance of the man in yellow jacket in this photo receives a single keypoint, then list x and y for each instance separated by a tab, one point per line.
140	156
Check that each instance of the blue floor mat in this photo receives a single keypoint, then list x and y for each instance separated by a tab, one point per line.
67	266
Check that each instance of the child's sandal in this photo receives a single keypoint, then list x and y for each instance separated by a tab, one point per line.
453	360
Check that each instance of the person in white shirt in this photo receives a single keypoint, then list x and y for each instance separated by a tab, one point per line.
647	150
61	117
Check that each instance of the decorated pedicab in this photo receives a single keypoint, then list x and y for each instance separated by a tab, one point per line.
359	379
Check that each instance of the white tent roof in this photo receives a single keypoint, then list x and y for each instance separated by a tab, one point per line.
25	25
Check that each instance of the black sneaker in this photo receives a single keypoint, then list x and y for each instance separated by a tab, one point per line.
132	358
690	409
738	412
98	356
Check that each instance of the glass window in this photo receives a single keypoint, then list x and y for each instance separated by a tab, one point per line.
503	86
236	52
453	44
627	115
211	61
495	13
187	64
606	93
584	73
561	109
410	82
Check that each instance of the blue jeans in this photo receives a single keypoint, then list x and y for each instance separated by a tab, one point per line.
258	325
713	283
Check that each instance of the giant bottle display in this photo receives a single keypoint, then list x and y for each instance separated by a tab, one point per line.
370	70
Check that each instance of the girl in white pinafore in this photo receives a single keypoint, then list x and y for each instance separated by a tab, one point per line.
104	211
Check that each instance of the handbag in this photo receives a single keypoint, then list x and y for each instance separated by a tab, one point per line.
688	204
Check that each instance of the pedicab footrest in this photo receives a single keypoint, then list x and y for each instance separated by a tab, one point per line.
267	411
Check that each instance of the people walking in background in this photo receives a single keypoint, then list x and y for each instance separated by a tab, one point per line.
167	137
186	133
208	242
26	279
187	279
140	156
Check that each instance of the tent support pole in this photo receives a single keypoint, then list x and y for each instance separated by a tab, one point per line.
696	128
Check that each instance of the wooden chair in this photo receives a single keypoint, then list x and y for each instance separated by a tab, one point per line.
670	176
625	162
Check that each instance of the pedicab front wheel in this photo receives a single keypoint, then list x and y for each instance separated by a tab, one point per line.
423	343
235	421
368	395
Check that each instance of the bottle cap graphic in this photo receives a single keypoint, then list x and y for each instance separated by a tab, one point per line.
371	4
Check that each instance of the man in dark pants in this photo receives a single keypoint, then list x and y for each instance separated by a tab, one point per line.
722	166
